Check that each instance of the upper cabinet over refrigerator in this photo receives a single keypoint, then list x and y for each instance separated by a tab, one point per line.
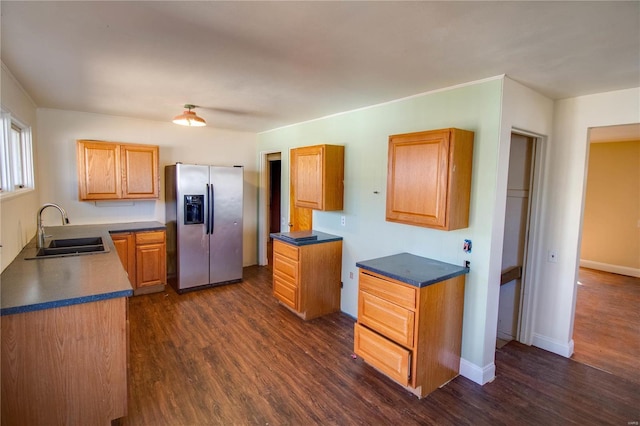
204	225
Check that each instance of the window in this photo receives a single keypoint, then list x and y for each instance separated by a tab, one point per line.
16	157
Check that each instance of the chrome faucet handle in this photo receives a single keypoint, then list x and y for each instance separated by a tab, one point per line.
40	227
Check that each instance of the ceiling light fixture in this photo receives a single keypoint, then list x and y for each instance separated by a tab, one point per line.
189	118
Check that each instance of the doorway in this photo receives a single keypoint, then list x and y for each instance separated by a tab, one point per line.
608	287
273	198
519	236
269	201
274	170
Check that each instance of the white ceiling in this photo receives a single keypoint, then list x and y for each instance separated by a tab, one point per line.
255	66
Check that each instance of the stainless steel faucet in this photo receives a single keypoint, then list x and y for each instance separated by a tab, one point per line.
65	220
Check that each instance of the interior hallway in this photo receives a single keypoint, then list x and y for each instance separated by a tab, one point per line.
606	330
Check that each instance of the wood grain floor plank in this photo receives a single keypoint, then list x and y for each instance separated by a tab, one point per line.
232	356
606	330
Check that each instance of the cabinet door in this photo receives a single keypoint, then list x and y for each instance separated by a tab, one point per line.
98	170
150	264
126	247
286	273
286	291
391	359
317	177
285	267
140	178
393	321
417	178
306	172
429	178
151	258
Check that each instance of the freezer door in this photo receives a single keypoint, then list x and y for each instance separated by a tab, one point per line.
226	226
192	240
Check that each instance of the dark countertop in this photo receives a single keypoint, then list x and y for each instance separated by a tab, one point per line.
303	238
34	284
411	269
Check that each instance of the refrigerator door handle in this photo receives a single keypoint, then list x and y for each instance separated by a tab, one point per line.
211	207
207	225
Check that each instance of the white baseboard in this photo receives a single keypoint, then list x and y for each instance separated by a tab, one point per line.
551	345
477	374
505	336
607	267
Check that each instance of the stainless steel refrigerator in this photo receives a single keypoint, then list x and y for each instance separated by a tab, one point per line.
204	225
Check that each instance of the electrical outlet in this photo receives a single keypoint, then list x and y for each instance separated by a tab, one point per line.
343	220
552	256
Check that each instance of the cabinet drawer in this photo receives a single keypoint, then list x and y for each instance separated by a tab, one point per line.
390	320
393	360
150	237
285	291
285	250
399	294
285	266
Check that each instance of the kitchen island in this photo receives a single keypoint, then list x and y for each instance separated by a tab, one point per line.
64	326
307	267
409	325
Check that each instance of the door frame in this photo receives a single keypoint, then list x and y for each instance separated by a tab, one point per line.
263	201
532	251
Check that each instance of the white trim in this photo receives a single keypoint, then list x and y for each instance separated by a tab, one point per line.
17	193
552	345
505	336
607	267
528	298
444	89
477	374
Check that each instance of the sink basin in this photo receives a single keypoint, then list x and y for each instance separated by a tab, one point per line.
71	247
75	242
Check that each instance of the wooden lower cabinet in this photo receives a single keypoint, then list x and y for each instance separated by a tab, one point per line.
125	243
151	268
411	334
65	365
306	278
143	255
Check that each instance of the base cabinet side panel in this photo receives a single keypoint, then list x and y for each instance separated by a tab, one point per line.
319	284
438	348
65	365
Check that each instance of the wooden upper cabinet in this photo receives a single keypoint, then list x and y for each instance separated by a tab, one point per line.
317	174
429	178
139	171
99	170
113	171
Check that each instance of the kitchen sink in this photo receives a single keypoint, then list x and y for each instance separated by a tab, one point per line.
71	247
76	242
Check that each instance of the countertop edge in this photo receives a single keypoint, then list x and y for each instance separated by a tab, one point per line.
322	238
415	283
16	304
65	302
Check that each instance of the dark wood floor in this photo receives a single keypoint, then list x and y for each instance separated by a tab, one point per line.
606	329
231	355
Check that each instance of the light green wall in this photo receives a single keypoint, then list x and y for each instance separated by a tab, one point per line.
364	133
